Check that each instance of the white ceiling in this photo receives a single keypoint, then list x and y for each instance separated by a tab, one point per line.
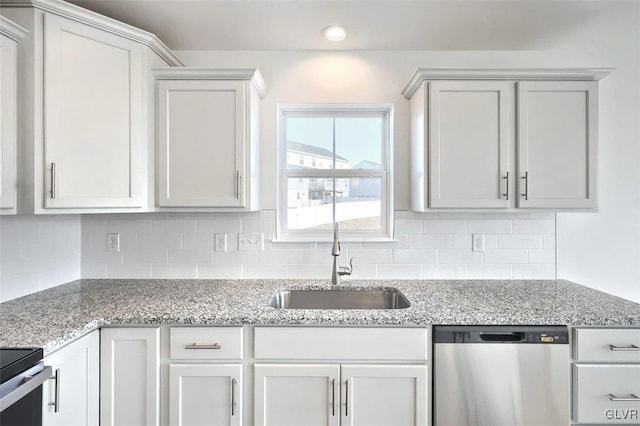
371	24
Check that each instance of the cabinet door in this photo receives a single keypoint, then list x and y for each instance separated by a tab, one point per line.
92	112
72	397
7	125
205	394
130	371
201	143
294	395
557	143
389	395
468	144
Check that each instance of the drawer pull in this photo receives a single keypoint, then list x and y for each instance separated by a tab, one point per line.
631	397
197	346
624	348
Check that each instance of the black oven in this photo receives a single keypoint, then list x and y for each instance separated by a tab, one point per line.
22	374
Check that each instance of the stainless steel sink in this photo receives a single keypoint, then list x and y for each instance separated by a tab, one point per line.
340	298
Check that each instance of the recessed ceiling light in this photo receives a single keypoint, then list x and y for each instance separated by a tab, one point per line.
334	33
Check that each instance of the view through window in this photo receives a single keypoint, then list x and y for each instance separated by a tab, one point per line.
334	166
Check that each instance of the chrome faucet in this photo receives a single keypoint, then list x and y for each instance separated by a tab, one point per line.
337	271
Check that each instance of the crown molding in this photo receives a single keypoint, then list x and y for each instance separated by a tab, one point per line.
93	19
11	29
192	73
520	74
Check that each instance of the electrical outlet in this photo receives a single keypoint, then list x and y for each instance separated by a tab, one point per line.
251	241
113	243
478	242
220	242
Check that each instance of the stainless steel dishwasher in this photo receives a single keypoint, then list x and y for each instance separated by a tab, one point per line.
501	376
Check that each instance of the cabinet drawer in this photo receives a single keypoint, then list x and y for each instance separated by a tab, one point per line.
596	386
335	343
608	344
205	342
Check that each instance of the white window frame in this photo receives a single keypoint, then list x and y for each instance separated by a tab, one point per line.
385	233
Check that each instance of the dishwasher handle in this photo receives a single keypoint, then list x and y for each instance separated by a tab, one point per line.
515	336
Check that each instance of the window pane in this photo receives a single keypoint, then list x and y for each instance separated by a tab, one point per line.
359	142
309	142
359	206
309	203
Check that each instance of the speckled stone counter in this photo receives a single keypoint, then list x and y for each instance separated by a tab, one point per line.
53	317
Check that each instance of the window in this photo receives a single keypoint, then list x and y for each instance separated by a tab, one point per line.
346	177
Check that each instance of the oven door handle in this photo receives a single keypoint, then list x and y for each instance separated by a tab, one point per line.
29	383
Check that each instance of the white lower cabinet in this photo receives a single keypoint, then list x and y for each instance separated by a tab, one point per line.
297	394
393	395
334	394
71	398
205	394
606	376
130	377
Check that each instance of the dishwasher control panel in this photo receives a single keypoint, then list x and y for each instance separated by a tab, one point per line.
502	334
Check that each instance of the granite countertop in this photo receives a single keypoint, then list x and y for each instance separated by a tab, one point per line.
52	317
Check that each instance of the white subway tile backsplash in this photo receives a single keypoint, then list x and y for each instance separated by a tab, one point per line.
415	256
542	256
280	256
130	270
175	271
458	256
369	256
444	272
512	241
219	272
444	226
190	256
534	226
264	271
489	226
489	272
506	256
429	241
408	226
540	272
462	241
400	272
429	245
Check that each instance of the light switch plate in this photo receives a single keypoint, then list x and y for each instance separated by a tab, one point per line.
251	241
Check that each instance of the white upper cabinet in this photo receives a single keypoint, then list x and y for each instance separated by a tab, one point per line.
469	143
93	108
85	123
557	144
10	35
486	139
208	138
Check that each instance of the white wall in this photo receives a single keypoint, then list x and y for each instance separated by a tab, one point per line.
38	252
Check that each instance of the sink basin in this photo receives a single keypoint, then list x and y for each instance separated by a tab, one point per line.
340	298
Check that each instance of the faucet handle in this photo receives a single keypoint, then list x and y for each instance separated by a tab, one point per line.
344	270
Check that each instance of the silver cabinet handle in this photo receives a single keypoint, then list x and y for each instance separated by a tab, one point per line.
333	397
53	181
56	400
506	178
238	184
631	397
233	397
526	185
346	398
624	348
197	346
